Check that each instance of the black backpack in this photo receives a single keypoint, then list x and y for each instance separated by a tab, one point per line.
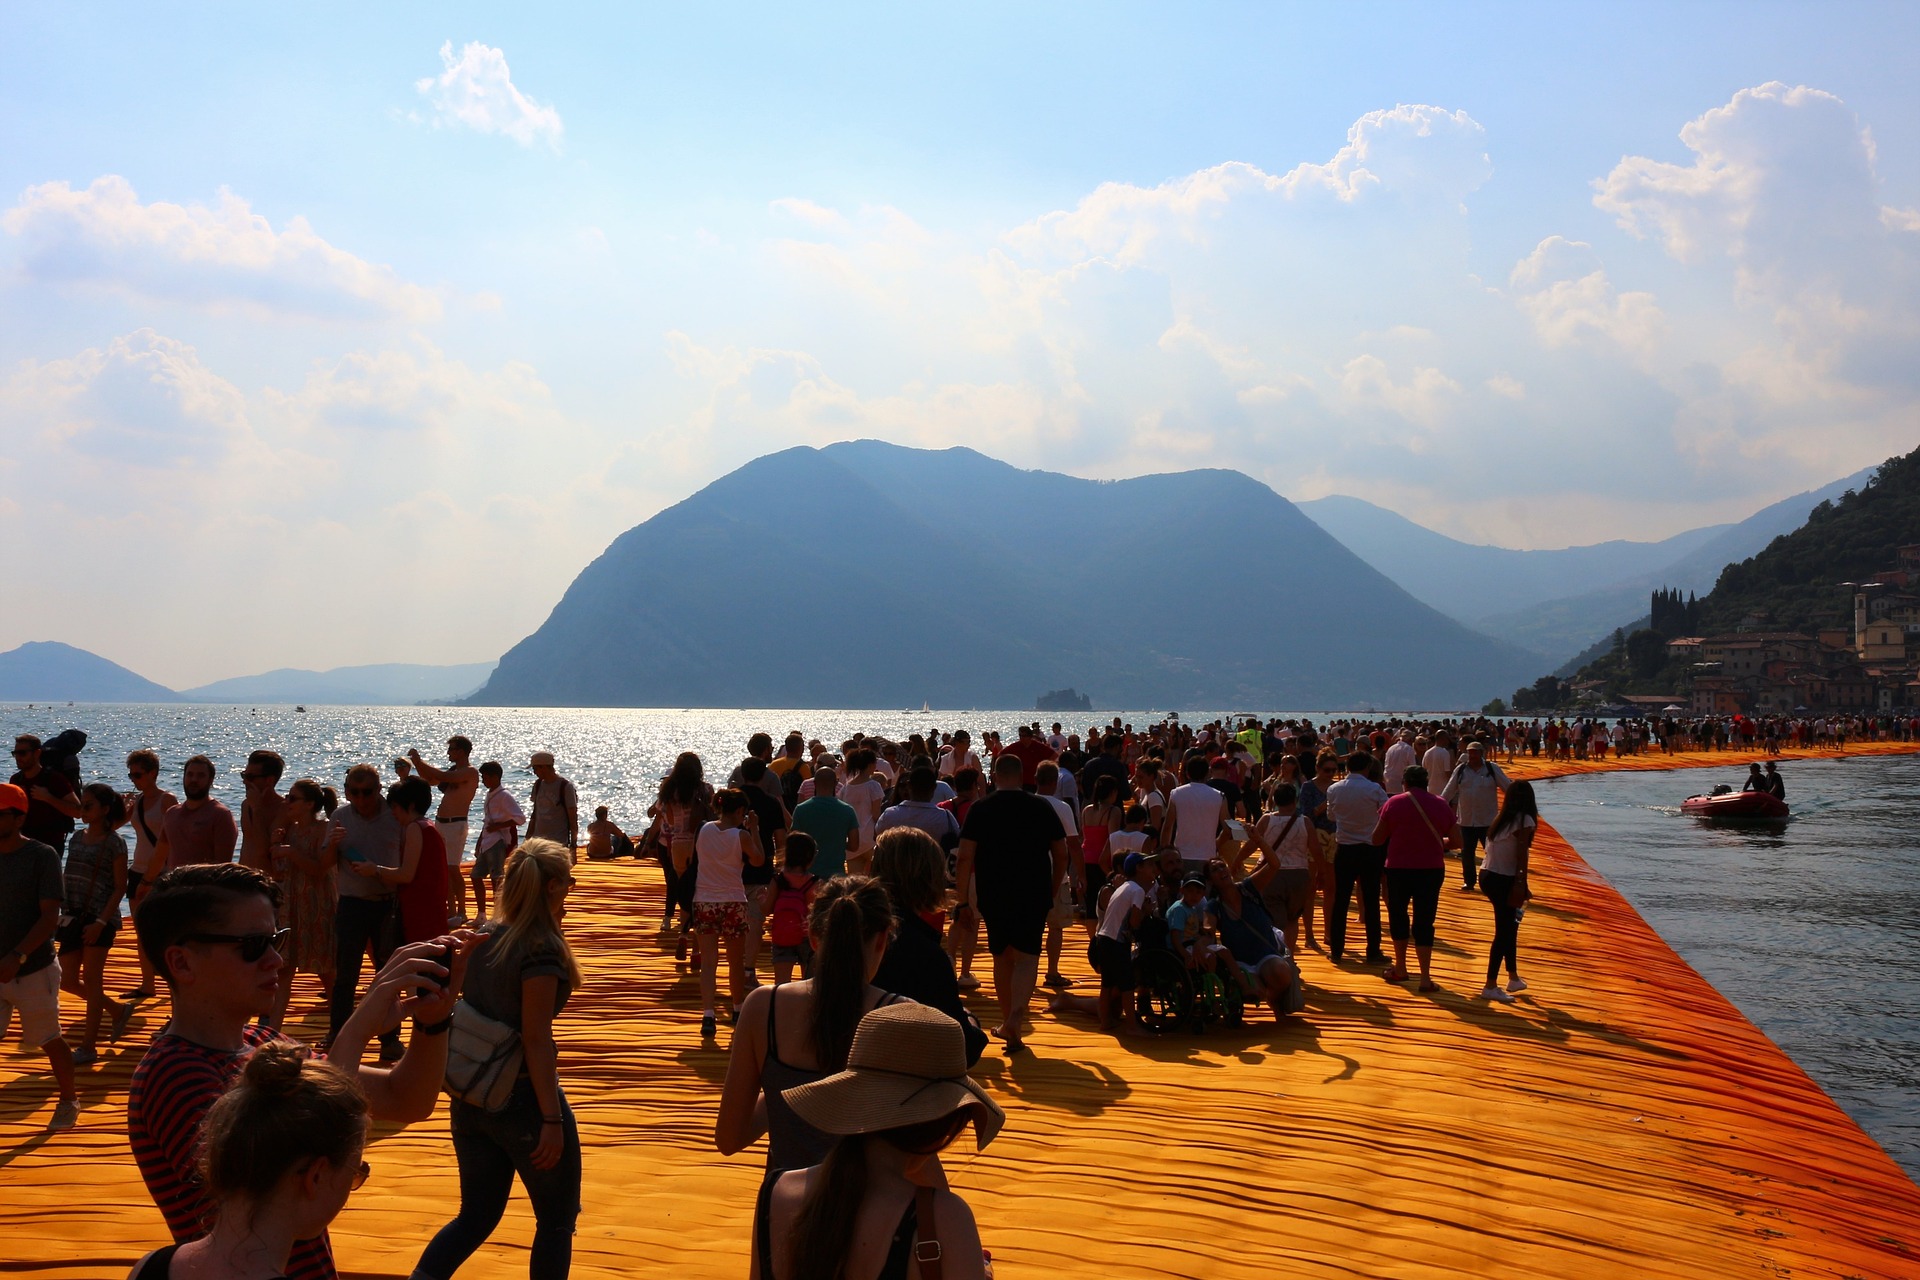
61	753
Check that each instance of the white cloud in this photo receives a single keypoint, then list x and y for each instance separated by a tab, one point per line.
1506	387
223	257
1563	288
476	91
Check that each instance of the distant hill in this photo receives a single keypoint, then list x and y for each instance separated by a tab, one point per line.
1565	626
1556	603
48	671
1468	581
381	684
865	574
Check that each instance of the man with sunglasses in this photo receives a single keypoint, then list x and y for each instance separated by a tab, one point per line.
213	935
199	829
30	898
260	811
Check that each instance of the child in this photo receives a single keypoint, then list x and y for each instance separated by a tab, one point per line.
793	891
498	837
95	882
1187	930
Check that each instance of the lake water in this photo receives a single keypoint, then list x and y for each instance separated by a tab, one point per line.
1812	930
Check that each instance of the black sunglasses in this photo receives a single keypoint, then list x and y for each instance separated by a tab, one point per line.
251	945
361	1175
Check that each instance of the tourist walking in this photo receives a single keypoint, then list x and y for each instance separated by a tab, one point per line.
681	809
420	881
799	1032
1013	851
1474	792
367	841
260	810
1354	804
52	803
95	882
501	818
725	847
1413	828
1504	881
833	824
31	893
302	860
522	973
913	869
880	1200
200	830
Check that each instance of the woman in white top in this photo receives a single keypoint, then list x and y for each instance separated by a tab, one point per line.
867	796
1286	838
724	846
1503	878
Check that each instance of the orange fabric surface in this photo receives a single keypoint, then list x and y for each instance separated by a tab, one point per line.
1621	1120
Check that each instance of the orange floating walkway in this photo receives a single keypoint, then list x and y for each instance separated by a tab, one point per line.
1621	1120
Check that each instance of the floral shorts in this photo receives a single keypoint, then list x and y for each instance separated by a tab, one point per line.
728	919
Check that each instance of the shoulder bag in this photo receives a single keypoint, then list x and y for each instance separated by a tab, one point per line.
1449	841
483	1059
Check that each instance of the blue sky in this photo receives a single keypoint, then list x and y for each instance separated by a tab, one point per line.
301	306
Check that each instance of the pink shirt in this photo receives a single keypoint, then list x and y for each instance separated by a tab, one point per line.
1411	845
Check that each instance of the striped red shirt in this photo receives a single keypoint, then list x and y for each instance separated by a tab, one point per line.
173	1087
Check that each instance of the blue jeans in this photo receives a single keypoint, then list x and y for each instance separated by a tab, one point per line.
491	1147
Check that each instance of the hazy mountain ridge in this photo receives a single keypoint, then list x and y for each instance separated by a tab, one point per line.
49	671
865	574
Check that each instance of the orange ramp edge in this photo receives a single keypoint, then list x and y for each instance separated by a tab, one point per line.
1623	1119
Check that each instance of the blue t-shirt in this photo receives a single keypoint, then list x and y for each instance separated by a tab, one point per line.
1185	922
1249	938
1311	798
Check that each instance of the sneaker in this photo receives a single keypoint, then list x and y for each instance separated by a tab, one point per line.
1517	984
1468	888
967	982
1377	957
66	1114
85	1056
121	1017
1496	994
1058	981
708	1027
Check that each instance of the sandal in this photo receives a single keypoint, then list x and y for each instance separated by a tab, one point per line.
1428	984
1395	974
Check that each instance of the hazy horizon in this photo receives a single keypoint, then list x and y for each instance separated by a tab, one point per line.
350	336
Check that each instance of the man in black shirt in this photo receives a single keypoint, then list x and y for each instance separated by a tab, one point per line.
772	815
51	807
1013	851
1108	764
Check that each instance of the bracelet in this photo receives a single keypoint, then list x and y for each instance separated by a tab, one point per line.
553	1119
439	1028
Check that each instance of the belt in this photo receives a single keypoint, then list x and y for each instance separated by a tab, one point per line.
444	821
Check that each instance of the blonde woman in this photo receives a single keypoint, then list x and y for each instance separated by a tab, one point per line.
520	973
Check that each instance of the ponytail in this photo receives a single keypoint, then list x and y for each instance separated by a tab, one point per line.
823	1229
848	914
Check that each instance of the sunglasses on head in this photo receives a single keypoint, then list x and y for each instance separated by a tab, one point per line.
250	945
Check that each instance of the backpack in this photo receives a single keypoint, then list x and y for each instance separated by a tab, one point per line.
788	927
61	753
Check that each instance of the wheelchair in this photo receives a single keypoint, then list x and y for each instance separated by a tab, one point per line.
1172	997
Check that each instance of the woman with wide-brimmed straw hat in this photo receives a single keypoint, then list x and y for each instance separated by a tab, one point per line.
878	1208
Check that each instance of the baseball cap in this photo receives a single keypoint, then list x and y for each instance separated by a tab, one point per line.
1130	865
12	797
1194	882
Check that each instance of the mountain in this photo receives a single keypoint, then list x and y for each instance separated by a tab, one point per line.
381	684
1562	627
865	574
1468	581
48	671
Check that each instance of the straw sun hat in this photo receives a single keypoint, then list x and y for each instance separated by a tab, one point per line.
908	1065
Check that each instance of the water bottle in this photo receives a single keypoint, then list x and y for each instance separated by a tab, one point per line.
1520	913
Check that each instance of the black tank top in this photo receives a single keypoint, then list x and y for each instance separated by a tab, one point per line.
899	1253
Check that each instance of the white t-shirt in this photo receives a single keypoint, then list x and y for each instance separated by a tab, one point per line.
1069	820
1291	853
723	854
1354	805
1122	843
1198	811
1394	766
866	799
1438	762
500	807
951	764
1119	907
1503	851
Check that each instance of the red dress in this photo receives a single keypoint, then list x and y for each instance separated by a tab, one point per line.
423	899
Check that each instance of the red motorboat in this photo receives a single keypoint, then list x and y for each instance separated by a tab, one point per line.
1748	805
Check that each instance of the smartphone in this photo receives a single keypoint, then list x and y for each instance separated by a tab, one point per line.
444	958
352	855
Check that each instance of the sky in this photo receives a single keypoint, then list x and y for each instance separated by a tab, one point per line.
342	334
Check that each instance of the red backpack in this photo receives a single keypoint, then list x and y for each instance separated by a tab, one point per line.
789	926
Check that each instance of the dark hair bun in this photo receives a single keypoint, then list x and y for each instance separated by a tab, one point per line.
274	1068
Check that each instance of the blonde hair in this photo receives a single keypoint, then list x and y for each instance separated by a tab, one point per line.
523	910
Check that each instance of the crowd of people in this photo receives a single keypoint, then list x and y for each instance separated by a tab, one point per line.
867	871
